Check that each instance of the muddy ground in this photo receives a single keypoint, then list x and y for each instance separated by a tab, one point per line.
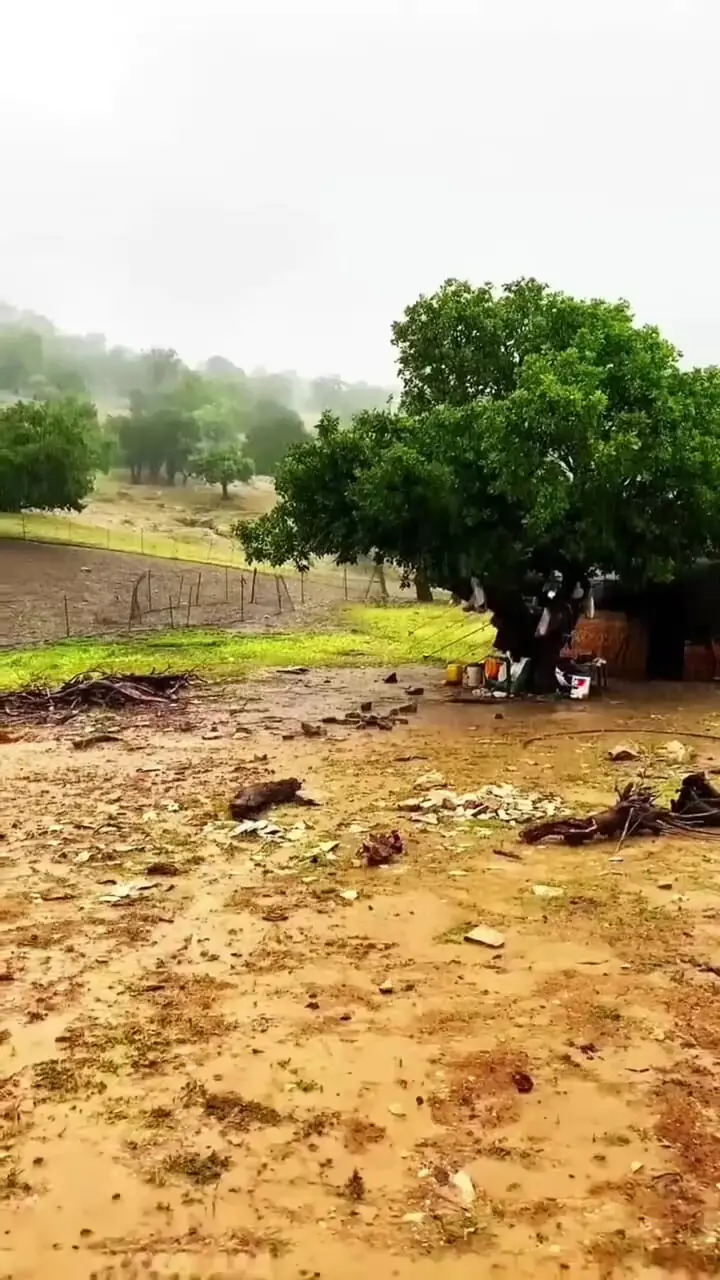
206	1079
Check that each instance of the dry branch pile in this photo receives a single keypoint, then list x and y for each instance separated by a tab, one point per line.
695	809
92	690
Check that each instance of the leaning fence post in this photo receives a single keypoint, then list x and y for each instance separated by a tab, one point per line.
345	581
187	620
149	591
227	587
302	586
24	528
67	617
242	597
197	589
279	593
252	589
172	615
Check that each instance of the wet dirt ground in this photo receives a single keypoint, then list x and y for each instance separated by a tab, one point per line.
203	1078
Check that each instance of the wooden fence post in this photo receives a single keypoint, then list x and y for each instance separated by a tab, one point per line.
252	589
172	615
279	593
67	618
302	587
345	581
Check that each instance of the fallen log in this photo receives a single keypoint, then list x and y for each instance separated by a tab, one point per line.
694	811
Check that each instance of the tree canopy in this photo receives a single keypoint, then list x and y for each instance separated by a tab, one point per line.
48	453
222	465
536	432
272	429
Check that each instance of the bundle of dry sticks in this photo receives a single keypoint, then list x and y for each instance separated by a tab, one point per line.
94	689
694	811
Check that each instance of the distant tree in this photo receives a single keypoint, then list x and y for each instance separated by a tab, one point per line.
150	441
21	358
223	466
48	453
222	420
220	367
272	430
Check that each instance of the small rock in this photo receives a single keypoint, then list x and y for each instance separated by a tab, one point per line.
523	1082
365	707
623	752
350	895
547	891
485	937
391	679
415	691
636	1166
415	1218
386	988
312	730
664	884
397	1109
463	1184
162	869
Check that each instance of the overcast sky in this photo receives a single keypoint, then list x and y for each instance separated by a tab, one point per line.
276	179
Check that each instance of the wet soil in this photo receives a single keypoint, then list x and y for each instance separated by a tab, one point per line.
200	1075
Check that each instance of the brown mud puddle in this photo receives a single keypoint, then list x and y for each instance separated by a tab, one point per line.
200	1075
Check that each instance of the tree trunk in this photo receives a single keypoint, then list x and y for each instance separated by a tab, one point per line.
422	587
225	493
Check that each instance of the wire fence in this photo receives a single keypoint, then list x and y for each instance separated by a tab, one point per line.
198	544
45	597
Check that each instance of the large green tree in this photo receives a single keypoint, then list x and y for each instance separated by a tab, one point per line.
48	453
537	432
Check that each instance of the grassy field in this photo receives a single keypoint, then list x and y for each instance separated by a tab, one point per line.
196	546
190	522
365	636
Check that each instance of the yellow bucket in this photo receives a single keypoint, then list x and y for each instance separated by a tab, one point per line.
454	673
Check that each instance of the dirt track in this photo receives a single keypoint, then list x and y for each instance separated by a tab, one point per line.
207	1081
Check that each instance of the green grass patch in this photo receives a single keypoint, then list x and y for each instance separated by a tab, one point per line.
364	636
196	546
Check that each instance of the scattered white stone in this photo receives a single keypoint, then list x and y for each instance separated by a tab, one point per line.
397	1109
636	1166
547	891
386	988
350	895
463	1184
675	752
496	802
415	1218
433	779
485	937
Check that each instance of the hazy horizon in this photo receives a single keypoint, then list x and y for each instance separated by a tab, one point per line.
275	183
